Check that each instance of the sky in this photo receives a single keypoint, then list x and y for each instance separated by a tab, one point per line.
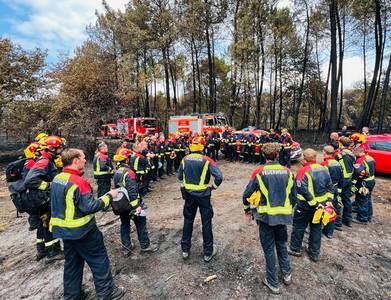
59	26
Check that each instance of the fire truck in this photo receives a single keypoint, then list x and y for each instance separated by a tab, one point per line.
109	131
131	127
200	123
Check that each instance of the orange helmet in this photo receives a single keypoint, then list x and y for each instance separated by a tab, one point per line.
52	142
30	150
122	154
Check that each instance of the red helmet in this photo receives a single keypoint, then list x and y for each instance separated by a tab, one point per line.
52	142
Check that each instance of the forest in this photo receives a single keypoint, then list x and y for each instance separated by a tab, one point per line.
260	63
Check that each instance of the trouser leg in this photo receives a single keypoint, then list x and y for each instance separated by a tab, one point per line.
281	237
347	204
125	231
206	212
300	222
314	239
142	232
189	213
266	236
73	271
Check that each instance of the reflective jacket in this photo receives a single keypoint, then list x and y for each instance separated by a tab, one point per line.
336	174
103	167
126	178
276	186
364	171
194	173
73	205
314	186
286	141
346	158
139	163
40	175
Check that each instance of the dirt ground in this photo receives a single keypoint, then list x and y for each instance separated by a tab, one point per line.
356	264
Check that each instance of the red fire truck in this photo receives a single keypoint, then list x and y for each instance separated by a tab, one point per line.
131	127
200	123
109	131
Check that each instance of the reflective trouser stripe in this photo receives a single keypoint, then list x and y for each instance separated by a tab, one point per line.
52	242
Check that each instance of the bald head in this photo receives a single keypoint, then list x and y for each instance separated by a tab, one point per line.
334	136
309	154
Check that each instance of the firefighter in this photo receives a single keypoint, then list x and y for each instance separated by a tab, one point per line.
273	137
270	192
251	147
314	189
210	145
336	174
38	181
243	147
216	141
257	150
178	151
334	137
160	144
139	165
194	173
263	139
124	144
153	148
346	158
365	182
286	144
126	178
169	155
103	169
73	220
225	139
365	131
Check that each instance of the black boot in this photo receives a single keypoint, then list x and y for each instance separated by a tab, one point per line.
54	253
41	251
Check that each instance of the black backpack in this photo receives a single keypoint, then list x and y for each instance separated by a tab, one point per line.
13	172
121	204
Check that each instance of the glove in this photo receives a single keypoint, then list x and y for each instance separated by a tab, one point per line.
363	191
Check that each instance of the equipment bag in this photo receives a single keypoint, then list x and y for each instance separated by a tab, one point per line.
121	203
13	172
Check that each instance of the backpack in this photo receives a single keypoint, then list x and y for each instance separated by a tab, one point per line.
121	203
13	172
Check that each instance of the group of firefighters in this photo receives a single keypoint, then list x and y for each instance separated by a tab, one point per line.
318	196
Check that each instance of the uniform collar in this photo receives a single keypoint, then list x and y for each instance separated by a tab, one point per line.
328	158
308	163
46	154
72	171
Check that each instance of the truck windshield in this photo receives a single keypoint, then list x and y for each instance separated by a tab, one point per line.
122	128
221	121
149	123
209	122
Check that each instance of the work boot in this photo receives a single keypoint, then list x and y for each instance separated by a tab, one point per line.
54	253
313	257
328	235
33	222
150	249
41	251
294	253
117	293
185	255
127	250
339	228
357	221
274	290
287	279
207	258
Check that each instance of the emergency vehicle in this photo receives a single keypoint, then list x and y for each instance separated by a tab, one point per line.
109	131
131	127
199	123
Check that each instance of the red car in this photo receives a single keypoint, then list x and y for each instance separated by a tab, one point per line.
379	147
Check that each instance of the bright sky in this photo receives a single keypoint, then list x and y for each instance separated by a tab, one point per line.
59	26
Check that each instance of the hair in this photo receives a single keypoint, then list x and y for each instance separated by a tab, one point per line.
69	154
358	150
334	134
271	150
309	154
329	150
345	141
101	145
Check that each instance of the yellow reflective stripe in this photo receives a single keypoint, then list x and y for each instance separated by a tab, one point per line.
43	185
339	190
106	200
300	197
214	185
201	185
69	204
98	171
136	163
369	178
134	203
288	191
63	176
48	244
312	202
246	206
277	210
71	223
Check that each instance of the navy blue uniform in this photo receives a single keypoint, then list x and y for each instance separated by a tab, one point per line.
194	173
103	171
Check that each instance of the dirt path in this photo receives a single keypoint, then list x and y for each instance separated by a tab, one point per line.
356	264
